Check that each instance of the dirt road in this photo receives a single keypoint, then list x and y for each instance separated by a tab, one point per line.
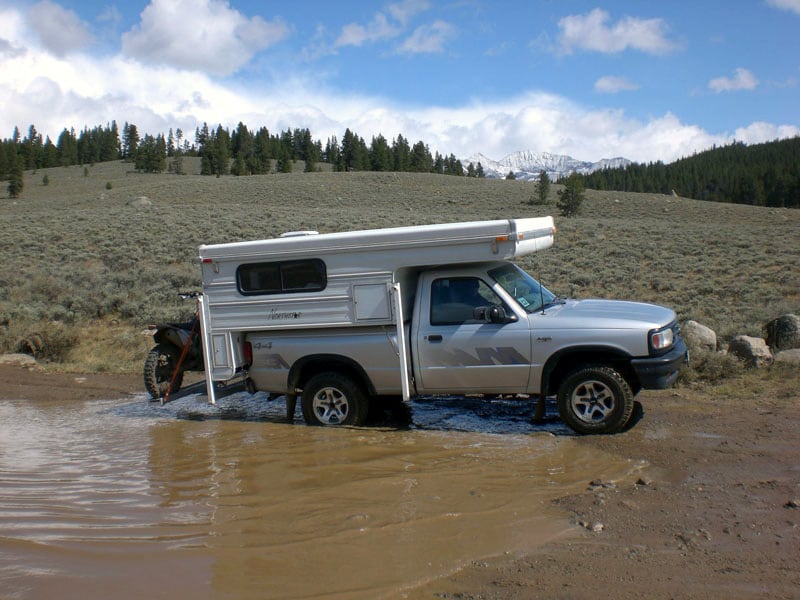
714	514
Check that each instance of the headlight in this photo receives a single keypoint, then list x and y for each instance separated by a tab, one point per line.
661	339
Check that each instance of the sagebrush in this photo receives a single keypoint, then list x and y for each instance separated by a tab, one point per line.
78	251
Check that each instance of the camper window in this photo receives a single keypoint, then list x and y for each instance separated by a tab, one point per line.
282	277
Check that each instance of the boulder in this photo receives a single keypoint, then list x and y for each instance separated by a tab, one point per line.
788	357
699	337
20	360
783	333
140	202
753	351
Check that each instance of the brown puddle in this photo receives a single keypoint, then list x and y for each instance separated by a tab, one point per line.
103	500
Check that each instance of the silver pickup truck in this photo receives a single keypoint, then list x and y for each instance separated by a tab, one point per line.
336	321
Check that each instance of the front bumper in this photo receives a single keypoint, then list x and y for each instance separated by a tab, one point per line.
659	372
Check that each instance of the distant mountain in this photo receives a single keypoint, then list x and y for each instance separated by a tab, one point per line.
527	165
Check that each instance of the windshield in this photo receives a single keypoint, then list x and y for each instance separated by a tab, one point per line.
522	287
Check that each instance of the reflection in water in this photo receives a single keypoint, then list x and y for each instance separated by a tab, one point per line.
119	498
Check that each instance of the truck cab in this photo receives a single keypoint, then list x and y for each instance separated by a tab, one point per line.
493	329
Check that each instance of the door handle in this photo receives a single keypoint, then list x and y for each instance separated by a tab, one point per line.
434	338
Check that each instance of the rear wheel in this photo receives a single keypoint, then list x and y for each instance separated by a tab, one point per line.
595	399
158	368
333	399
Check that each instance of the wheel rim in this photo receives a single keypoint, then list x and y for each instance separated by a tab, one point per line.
164	367
330	406
592	401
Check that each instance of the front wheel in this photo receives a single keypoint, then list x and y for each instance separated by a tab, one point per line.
333	399
158	369
595	399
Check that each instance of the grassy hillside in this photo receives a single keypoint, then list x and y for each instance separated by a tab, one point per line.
79	255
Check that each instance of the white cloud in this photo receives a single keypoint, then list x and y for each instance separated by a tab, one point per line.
52	92
206	35
741	80
428	38
592	32
379	28
58	29
790	5
403	11
611	84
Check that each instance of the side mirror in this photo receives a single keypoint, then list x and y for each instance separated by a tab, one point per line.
492	314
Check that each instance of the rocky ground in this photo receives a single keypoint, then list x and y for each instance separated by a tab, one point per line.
715	514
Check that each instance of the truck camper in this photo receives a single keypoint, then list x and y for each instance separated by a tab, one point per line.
337	319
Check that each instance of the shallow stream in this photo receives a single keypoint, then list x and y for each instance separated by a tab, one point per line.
127	498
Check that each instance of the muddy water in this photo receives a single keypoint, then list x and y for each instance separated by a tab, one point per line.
129	499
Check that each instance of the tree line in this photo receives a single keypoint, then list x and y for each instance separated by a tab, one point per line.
222	152
765	174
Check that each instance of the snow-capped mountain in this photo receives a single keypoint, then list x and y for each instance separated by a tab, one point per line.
527	165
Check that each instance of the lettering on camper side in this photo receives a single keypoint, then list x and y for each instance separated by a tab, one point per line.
276	315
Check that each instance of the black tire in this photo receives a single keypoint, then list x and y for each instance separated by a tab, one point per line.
595	399
332	399
158	368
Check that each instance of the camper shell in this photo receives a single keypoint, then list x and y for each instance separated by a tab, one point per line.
306	280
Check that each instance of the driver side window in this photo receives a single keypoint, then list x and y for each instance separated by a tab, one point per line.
454	299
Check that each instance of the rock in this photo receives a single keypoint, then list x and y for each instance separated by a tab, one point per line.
644	481
783	333
598	527
20	360
788	357
753	351
793	503
140	202
699	337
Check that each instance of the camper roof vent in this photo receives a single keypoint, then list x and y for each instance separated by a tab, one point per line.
298	233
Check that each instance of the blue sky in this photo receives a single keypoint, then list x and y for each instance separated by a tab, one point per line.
648	81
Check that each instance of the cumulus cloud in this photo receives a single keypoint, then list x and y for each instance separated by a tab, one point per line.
53	92
611	84
790	5
742	80
592	32
205	35
427	38
59	30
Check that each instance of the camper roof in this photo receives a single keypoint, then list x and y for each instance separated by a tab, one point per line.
487	240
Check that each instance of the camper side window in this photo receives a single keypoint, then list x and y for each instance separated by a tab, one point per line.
282	277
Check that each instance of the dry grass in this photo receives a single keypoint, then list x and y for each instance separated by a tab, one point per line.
79	253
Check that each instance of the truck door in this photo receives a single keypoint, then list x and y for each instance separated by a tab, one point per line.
457	353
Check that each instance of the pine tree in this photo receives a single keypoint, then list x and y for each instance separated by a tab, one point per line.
3	160
380	154
130	141
543	189
571	196
284	160
15	180
421	159
401	153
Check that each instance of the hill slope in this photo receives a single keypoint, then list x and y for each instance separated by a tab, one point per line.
76	251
